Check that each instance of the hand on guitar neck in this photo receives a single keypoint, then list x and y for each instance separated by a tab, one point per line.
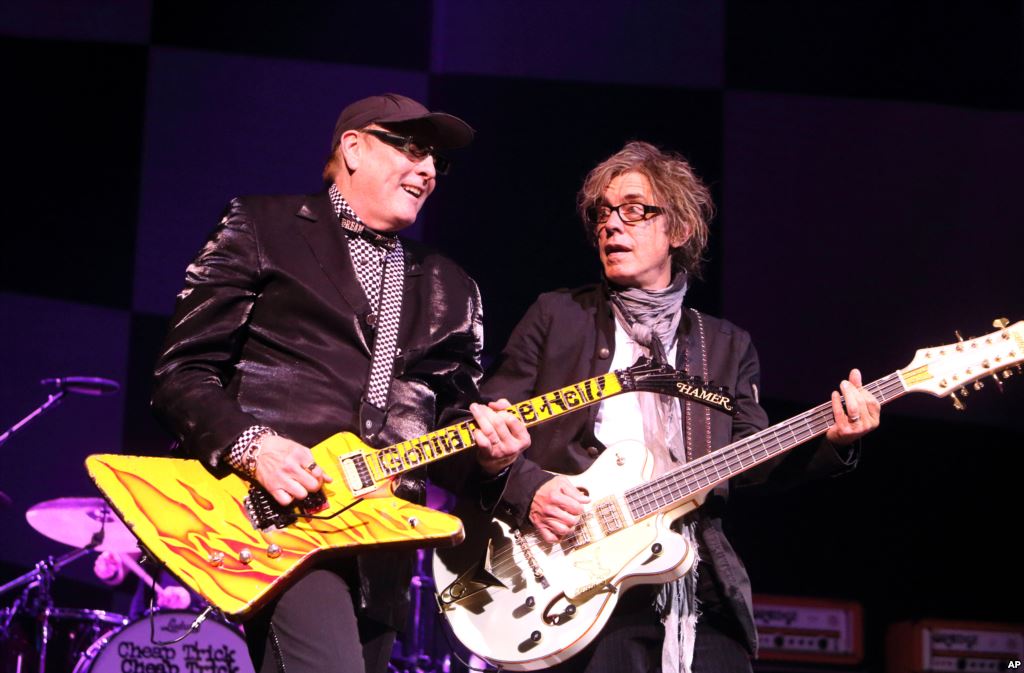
855	411
557	504
287	471
499	437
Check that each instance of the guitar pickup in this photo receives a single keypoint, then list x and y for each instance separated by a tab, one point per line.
356	472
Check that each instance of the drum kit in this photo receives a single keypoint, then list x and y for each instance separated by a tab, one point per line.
38	637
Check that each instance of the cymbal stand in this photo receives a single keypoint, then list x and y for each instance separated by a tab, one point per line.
40	604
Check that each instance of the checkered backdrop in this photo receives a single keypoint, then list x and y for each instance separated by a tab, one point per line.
866	160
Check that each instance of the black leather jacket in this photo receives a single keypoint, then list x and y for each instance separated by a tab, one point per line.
271	329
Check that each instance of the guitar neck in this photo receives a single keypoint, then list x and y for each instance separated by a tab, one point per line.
397	458
673	488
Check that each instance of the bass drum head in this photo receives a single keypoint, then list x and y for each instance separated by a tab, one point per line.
214	648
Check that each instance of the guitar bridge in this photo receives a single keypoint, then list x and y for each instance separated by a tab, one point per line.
264	512
531	560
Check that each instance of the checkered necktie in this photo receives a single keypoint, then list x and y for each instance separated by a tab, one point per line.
378	260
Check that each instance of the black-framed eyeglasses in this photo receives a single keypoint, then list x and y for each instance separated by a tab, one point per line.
412	147
629	213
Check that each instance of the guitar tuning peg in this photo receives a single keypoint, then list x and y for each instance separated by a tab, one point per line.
1000	323
957	333
957	404
1007	374
965	392
999	384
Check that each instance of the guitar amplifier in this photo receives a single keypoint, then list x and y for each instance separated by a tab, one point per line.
934	645
810	630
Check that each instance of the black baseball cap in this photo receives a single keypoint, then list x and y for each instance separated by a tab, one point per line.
404	115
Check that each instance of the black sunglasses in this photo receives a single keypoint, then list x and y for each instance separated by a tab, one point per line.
412	147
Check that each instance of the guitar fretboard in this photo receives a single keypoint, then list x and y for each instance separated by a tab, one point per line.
680	485
442	443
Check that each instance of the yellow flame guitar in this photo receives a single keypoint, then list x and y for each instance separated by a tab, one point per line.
224	539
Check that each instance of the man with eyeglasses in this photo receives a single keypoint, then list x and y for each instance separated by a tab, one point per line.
304	316
647	213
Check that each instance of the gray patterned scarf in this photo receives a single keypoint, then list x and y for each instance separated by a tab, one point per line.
651	318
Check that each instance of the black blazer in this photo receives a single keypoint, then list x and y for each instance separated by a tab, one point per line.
271	329
568	336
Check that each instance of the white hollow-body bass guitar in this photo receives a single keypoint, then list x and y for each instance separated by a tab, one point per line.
525	604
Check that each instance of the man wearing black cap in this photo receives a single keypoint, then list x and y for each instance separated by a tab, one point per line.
304	316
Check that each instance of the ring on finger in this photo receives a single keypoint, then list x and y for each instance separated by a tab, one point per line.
854	419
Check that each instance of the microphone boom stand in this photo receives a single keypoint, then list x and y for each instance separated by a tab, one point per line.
51	401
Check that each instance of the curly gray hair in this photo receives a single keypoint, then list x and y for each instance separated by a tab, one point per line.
683	195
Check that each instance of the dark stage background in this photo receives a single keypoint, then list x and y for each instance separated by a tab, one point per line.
865	156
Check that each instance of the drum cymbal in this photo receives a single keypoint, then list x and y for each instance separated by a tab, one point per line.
77	522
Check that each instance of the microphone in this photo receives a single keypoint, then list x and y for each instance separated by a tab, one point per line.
84	385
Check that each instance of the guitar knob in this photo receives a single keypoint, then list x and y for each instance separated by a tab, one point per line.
535	636
656	549
571	610
274	551
530	601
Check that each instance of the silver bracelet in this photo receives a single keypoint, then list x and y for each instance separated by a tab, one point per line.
246	451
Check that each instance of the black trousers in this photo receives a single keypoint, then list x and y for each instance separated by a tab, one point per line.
632	641
314	627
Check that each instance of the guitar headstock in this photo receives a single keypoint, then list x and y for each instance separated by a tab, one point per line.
943	370
649	377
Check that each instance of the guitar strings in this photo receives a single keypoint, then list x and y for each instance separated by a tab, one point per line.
703	472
